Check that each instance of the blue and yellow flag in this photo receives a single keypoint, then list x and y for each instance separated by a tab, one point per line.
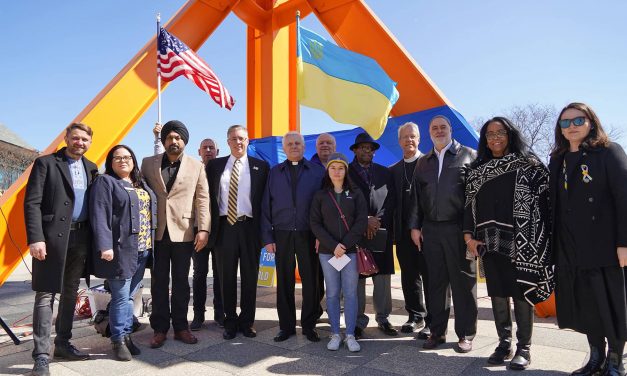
350	87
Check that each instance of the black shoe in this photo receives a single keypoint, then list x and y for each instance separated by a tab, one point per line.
249	332
500	354
219	319
595	365
312	335
41	367
425	333
388	329
128	341
283	335
359	332
69	352
229	334
410	326
196	323
521	359
121	352
433	341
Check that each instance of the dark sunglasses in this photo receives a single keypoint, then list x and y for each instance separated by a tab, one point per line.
578	122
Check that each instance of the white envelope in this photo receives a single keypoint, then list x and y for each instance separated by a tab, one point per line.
339	263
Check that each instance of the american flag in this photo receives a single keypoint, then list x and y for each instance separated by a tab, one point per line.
176	59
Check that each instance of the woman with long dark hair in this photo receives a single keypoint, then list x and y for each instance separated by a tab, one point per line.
123	218
589	205
338	218
506	223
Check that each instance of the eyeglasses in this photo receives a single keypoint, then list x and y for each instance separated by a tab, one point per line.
126	158
577	122
498	134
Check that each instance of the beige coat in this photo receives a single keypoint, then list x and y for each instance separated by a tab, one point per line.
187	203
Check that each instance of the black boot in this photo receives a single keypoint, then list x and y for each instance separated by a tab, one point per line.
128	341
502	352
521	359
595	365
614	366
120	351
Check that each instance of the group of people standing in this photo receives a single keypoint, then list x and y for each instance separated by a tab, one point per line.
535	230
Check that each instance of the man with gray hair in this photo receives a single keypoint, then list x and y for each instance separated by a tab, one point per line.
325	146
285	231
435	220
412	262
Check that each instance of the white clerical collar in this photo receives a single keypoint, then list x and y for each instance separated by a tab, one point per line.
410	160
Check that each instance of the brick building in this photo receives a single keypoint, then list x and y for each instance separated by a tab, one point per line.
15	156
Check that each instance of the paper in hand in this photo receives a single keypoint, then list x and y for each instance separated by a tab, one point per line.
339	263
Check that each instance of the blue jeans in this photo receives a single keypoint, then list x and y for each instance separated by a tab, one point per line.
345	281
121	306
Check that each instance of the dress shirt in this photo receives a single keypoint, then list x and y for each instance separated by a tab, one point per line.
244	206
440	155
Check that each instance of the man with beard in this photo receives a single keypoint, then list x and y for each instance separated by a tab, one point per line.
55	209
411	261
375	182
180	184
208	151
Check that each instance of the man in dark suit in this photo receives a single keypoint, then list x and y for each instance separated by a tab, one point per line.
236	185
208	151
435	220
411	261
375	182
55	209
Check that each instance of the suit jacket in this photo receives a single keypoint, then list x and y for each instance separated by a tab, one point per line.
597	210
258	176
187	202
398	175
380	199
48	208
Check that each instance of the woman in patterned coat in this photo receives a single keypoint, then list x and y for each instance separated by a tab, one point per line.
506	223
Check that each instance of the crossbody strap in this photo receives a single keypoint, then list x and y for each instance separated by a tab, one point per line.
340	210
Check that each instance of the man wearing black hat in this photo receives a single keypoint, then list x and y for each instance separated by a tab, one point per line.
180	184
377	185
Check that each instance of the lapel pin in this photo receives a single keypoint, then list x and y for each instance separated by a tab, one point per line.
255	168
586	174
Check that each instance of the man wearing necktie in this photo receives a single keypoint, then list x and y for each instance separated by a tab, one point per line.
236	185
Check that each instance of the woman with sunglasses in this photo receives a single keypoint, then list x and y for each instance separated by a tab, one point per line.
123	218
506	221
589	206
339	218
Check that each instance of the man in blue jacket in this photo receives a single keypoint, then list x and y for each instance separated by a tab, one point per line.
285	231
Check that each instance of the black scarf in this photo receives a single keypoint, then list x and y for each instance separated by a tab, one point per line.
531	253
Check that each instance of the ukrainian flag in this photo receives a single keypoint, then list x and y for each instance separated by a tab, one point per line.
350	87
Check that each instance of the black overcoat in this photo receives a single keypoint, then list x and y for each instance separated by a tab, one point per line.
48	207
597	209
381	199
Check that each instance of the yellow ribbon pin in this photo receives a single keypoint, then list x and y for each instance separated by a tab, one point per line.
586	175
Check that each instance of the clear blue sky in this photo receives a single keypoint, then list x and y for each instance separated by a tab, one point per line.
485	56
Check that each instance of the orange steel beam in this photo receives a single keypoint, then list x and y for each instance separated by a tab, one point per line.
353	25
112	114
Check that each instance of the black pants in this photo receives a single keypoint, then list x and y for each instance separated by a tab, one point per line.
199	283
523	312
450	272
236	247
289	246
413	278
179	254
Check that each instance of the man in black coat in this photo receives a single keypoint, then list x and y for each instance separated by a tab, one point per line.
236	186
376	183
435	220
56	214
412	262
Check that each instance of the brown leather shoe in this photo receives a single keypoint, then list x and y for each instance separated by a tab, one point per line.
463	346
433	341
185	336
157	340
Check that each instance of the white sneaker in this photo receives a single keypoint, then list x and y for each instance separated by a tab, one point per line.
352	344
334	343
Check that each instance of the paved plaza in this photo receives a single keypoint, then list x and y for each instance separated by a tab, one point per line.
553	351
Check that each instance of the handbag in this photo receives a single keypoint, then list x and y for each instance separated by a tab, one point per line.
365	261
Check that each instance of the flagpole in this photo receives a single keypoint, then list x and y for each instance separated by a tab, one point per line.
158	74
